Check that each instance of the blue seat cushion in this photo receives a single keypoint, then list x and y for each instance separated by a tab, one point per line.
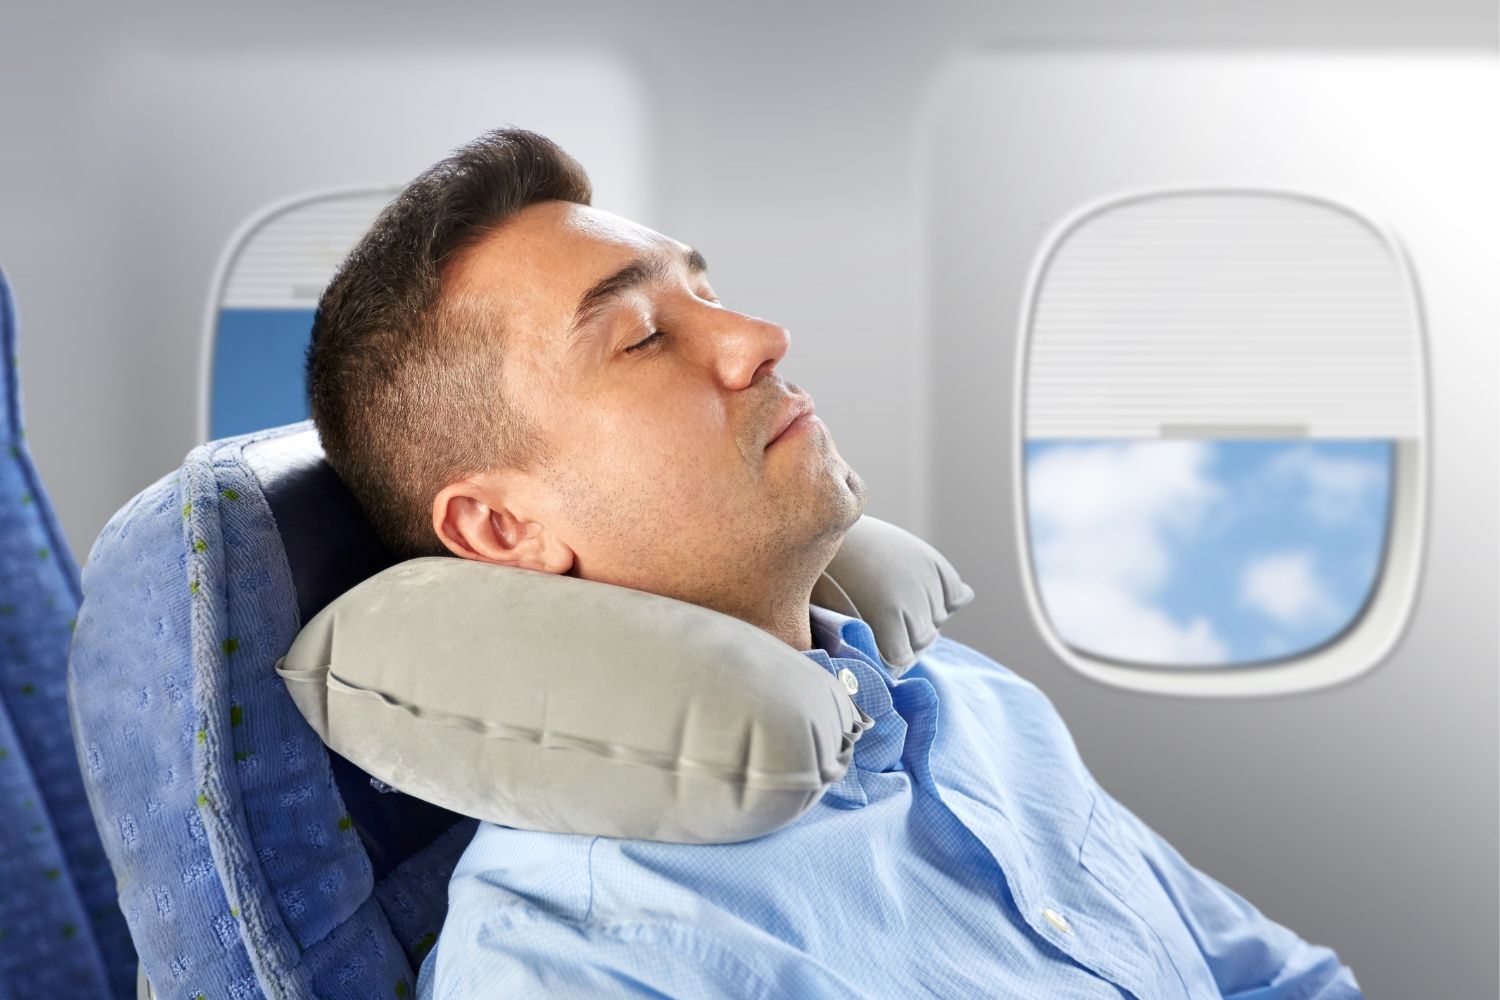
61	932
247	858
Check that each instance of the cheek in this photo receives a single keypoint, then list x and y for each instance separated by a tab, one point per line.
655	466
639	475
659	434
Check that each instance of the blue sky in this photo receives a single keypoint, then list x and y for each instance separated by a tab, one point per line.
1187	552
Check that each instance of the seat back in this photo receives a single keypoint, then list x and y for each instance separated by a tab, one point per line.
251	861
61	933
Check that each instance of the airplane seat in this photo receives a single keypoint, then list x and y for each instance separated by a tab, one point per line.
252	861
61	933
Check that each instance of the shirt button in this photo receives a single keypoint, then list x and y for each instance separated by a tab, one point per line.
851	683
1056	920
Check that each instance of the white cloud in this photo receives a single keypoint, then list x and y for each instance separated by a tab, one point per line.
1109	620
1285	587
1338	488
1100	516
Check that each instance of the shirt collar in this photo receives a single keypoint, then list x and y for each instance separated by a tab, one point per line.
848	647
837	634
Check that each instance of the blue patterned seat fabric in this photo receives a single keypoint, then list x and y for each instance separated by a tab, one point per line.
251	861
61	933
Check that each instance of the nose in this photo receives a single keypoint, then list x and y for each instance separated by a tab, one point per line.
748	346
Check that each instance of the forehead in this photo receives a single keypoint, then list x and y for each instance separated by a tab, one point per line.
536	264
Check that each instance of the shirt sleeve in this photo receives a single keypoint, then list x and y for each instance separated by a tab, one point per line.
542	955
1251	957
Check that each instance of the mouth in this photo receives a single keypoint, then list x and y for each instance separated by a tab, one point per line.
797	416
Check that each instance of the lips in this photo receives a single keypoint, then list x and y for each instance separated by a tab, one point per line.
798	408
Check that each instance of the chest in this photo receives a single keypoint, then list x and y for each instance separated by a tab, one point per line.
1002	761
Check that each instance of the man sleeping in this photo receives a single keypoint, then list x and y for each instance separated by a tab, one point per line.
501	372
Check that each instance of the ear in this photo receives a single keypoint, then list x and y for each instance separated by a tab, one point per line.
473	522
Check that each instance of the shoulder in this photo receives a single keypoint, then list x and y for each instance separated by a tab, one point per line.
950	658
526	922
526	952
513	873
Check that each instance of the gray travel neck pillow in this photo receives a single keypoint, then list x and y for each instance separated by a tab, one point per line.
553	703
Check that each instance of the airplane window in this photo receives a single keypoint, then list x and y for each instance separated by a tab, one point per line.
268	288
1222	417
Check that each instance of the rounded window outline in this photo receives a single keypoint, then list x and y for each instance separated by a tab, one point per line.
1373	632
246	231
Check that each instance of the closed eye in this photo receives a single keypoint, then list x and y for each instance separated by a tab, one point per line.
642	345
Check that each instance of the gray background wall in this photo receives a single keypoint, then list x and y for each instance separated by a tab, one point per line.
784	140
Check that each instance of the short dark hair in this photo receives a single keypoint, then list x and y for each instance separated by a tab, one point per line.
403	381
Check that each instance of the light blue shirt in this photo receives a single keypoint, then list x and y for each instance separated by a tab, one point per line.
966	853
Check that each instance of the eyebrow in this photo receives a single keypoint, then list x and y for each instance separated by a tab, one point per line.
638	272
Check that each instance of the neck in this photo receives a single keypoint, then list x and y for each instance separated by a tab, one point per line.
776	598
782	609
792	624
786	616
785	611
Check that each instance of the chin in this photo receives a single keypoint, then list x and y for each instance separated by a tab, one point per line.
856	487
842	505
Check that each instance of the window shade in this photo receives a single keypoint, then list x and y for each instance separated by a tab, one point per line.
286	259
1222	314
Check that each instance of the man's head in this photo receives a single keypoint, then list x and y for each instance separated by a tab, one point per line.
502	372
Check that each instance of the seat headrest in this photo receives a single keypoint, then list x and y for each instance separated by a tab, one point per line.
330	547
330	544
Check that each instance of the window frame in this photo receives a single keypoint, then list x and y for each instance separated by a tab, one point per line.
1369	638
